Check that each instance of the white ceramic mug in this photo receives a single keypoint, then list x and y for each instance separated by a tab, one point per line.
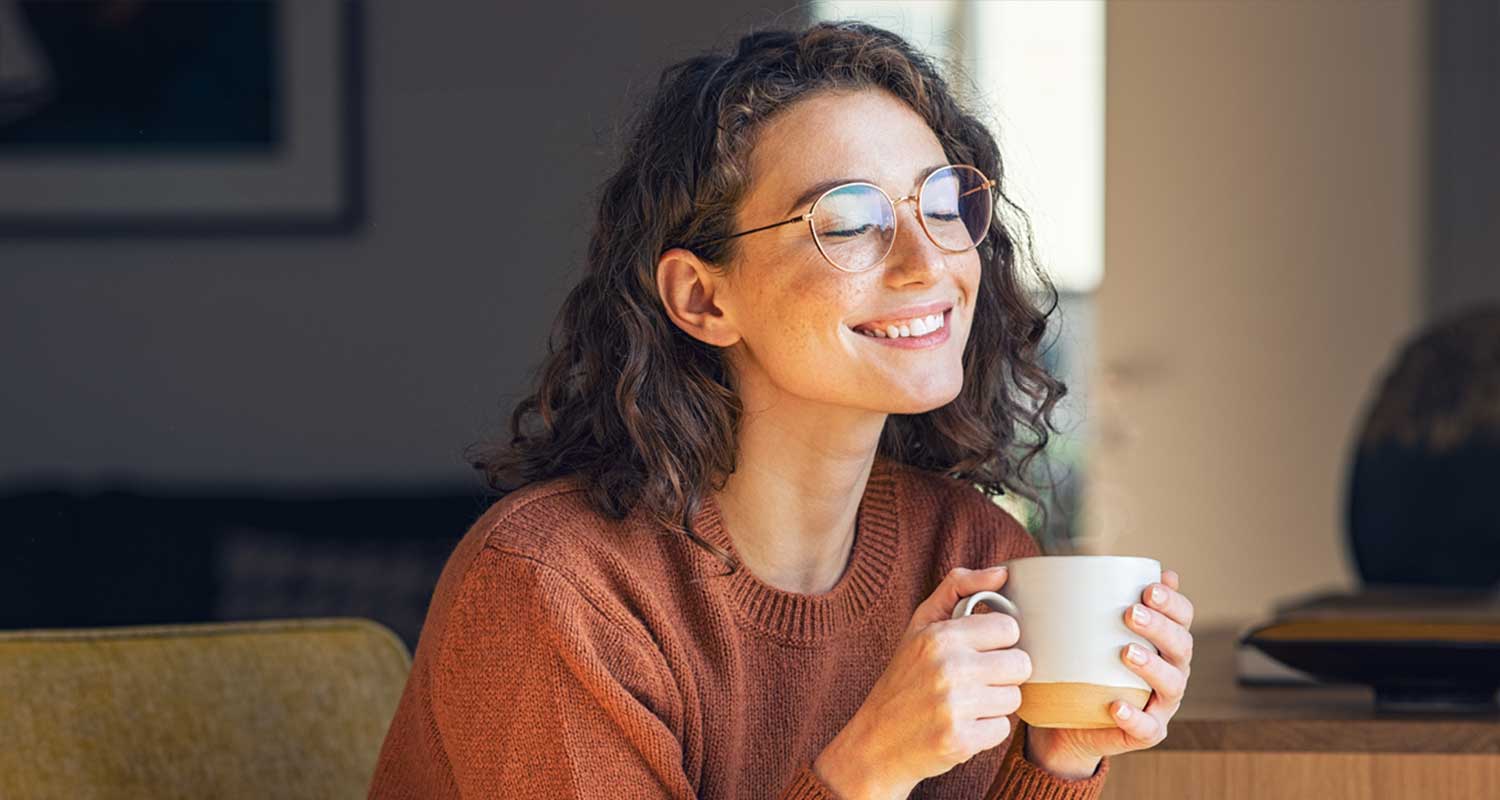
1071	611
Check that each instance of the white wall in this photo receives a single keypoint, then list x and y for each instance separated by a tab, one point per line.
1264	203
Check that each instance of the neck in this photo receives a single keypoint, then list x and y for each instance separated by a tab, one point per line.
791	505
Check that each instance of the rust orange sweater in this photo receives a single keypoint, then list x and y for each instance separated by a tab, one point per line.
567	655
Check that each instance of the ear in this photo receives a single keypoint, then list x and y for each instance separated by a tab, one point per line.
690	293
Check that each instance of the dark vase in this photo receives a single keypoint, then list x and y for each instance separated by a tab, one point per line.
1416	517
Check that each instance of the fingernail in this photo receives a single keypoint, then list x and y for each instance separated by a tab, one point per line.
1139	615
1158	596
998	568
1123	712
1135	654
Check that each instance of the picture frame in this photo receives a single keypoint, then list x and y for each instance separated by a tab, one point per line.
265	137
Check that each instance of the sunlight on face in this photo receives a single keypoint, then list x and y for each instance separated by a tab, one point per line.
796	313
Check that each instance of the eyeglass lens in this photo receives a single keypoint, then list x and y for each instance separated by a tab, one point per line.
855	225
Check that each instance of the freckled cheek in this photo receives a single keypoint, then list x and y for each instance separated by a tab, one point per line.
807	308
783	324
972	275
812	311
810	338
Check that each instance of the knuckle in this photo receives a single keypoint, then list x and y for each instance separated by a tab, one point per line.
1012	628
1002	731
954	745
945	681
1012	699
1023	663
946	705
1003	627
941	639
932	641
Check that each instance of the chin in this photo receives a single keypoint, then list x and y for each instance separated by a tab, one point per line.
922	405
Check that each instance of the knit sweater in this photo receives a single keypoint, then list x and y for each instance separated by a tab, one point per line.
569	655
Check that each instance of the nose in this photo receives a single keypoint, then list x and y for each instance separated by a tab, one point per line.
914	257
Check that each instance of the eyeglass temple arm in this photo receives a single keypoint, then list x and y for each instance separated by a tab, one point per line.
988	182
798	218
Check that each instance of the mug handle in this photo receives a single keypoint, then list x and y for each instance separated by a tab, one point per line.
994	600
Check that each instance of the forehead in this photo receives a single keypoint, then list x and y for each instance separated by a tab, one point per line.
866	134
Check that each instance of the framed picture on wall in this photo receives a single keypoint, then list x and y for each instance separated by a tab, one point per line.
152	117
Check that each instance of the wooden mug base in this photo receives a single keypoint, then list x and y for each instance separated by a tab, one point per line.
1075	705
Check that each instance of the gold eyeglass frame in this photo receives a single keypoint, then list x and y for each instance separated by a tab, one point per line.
986	184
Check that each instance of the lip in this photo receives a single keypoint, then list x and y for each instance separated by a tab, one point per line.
934	338
908	312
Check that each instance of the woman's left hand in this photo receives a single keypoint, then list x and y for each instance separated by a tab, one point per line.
1077	750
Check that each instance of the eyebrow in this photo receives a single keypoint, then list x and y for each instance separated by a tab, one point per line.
822	186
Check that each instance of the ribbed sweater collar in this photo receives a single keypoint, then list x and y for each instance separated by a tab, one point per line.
807	619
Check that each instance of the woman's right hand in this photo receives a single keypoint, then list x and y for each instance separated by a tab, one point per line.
944	697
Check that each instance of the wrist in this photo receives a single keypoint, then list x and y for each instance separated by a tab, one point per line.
1039	751
847	768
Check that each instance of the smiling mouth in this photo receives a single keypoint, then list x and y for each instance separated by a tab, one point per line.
914	328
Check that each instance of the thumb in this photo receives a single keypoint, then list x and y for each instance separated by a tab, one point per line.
959	583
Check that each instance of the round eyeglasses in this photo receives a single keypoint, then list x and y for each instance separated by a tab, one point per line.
854	224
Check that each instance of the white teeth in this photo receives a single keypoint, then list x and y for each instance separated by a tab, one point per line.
919	326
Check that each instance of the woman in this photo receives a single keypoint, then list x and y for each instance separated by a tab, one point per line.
743	499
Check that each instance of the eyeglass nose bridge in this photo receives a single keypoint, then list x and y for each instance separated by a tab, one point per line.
921	223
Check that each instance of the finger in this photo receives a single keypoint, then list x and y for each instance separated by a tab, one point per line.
1167	681
1157	707
991	731
1172	579
1171	602
960	582
1172	641
1002	667
1143	729
988	631
986	702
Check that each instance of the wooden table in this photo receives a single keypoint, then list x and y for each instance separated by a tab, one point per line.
1326	742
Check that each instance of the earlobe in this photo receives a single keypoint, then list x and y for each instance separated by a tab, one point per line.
690	294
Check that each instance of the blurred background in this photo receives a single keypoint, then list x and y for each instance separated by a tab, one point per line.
267	268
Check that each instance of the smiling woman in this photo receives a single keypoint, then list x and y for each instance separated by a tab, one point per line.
648	407
740	506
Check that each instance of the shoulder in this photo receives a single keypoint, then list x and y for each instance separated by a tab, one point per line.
954	498
554	523
545	521
532	584
973	529
550	533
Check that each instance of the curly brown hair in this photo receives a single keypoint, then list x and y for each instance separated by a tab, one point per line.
648	414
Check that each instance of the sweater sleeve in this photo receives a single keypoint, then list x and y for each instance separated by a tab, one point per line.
1019	779
543	688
